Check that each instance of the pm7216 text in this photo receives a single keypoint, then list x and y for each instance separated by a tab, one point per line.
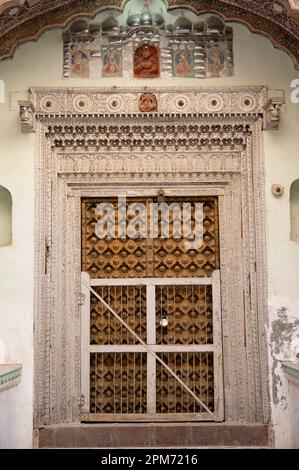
170	459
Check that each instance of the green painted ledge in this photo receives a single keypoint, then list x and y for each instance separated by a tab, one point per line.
10	375
292	370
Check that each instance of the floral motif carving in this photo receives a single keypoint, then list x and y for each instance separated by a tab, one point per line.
96	102
148	103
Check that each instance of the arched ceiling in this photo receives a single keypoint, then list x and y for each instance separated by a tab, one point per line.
25	20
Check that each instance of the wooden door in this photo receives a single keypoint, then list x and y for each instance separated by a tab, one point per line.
170	298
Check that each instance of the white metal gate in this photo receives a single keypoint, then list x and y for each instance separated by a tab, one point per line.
143	372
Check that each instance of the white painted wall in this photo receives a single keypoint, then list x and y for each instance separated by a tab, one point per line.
40	64
16	282
15	432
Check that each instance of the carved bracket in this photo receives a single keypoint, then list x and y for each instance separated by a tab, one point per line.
272	113
27	116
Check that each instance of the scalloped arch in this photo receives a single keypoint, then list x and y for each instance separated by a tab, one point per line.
275	20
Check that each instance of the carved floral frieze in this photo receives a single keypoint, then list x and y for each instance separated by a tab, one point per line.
243	103
168	135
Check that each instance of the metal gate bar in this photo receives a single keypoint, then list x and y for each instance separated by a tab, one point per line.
151	348
147	348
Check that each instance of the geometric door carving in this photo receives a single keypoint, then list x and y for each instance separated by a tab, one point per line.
177	286
149	257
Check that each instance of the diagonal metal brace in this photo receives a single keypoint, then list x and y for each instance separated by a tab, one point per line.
148	349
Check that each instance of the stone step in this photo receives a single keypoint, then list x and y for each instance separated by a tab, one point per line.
155	435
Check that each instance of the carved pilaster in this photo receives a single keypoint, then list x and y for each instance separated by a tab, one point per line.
27	116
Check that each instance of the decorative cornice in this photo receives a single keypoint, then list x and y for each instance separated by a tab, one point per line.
143	136
274	20
72	103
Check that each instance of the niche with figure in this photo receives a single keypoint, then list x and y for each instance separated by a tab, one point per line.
294	206
148	44
5	217
146	62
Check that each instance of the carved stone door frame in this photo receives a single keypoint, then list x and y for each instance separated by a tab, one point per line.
90	142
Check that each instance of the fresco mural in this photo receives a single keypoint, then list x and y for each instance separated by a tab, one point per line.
79	60
136	45
183	63
216	60
111	61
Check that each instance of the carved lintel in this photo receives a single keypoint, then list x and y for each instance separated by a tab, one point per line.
27	116
272	113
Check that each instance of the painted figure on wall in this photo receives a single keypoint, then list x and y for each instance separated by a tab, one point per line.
112	62
146	62
216	64
79	60
183	63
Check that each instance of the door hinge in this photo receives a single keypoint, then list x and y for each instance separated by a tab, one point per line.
81	400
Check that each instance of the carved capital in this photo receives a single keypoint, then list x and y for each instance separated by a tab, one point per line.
272	113
27	116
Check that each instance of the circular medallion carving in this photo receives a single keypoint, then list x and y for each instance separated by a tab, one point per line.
114	103
82	103
248	103
214	103
49	103
182	103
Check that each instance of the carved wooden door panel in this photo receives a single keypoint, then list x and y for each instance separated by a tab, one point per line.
169	297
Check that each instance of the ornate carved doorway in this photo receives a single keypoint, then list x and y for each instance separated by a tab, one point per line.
96	144
168	295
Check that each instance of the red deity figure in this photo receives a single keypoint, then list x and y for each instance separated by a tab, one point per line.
146	62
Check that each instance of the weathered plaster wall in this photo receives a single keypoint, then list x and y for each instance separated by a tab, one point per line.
40	64
284	346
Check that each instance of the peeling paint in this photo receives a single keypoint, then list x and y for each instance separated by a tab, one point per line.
282	330
283	336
